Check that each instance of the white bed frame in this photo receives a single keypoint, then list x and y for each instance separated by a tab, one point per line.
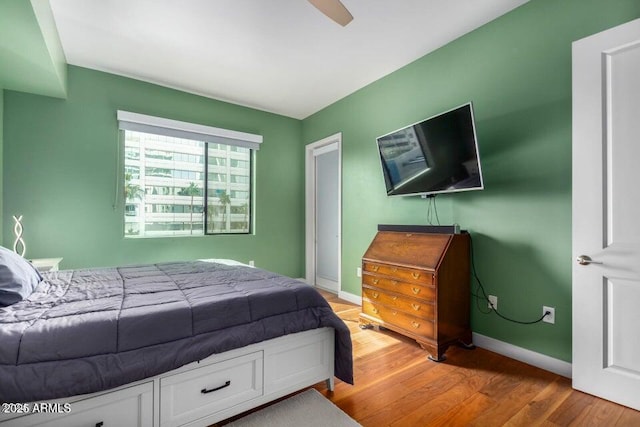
197	394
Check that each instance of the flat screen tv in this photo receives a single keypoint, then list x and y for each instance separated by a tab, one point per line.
436	155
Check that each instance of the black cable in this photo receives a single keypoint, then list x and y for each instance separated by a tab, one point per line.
486	298
435	208
432	209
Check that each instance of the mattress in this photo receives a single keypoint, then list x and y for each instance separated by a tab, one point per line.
84	331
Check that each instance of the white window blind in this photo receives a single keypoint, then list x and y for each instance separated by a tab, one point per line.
178	129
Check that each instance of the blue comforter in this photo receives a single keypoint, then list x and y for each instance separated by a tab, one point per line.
84	331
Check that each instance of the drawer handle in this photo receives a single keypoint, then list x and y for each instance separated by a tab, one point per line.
394	269
394	283
374	267
415	324
394	313
205	391
415	275
375	310
394	297
375	295
375	281
415	290
416	307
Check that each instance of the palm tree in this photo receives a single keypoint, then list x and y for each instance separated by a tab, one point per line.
211	225
131	191
224	201
192	190
244	209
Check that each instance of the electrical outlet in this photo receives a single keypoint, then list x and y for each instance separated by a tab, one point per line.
359	271
493	302
550	318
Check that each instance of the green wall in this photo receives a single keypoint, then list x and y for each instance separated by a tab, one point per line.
1	151
517	72
60	173
31	56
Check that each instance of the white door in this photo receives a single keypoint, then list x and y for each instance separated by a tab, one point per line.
327	218
323	213
606	214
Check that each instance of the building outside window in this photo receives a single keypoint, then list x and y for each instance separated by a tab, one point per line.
180	187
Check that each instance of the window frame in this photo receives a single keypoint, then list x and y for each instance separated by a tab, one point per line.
206	135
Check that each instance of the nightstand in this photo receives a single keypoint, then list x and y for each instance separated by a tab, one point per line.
46	264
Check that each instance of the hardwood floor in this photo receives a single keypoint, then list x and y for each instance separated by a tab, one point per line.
395	385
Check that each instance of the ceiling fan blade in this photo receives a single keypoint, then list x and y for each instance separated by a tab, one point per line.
334	9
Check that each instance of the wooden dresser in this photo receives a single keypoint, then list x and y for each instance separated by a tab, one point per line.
417	283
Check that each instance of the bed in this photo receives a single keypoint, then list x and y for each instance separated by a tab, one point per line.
149	330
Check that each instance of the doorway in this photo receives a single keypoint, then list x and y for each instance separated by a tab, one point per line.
323	213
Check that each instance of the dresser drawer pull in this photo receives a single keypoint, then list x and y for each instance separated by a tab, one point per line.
394	269
415	290
415	324
416	307
394	283
375	295
205	391
375	281
375	310
415	275
374	268
394	313
394	297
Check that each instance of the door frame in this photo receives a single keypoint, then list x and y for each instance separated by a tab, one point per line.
311	151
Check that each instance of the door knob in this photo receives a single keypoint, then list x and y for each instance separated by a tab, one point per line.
586	260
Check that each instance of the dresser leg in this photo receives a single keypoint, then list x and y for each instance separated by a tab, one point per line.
466	346
466	341
365	324
436	353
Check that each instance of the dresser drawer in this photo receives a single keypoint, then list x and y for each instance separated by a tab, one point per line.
415	290
415	325
418	308
401	273
206	390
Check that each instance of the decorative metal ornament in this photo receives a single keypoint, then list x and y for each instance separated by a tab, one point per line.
19	242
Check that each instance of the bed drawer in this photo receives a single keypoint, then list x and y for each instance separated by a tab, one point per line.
131	406
205	390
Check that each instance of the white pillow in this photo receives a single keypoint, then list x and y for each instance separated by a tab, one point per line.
18	277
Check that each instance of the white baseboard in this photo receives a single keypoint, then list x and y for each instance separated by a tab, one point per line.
538	360
353	299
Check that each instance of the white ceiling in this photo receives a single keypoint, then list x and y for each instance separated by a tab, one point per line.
281	56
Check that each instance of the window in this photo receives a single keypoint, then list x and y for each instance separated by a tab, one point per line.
240	179
181	183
